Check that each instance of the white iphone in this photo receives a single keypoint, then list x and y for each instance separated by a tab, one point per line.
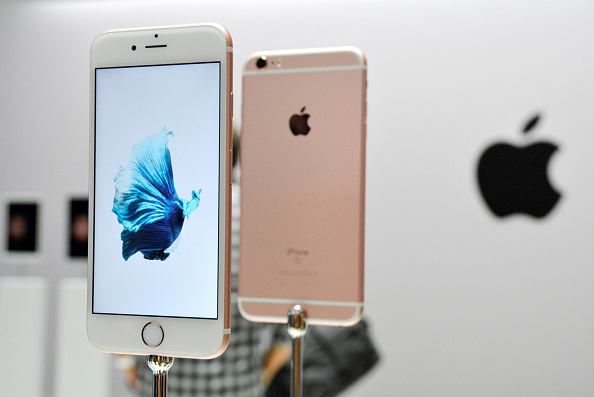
160	191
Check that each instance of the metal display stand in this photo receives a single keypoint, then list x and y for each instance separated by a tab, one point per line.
160	366
297	328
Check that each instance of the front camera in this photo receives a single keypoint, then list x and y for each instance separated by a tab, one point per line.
133	48
156	35
261	62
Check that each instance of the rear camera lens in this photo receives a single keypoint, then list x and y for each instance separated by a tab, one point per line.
261	63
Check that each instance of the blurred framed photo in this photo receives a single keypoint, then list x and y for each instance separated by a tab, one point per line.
22	227
78	230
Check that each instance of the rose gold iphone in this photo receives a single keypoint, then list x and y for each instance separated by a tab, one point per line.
160	194
303	185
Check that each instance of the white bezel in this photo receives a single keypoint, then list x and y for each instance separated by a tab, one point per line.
184	337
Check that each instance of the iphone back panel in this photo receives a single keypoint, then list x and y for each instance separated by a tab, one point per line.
160	191
302	162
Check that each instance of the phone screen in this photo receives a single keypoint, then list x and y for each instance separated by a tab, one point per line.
156	193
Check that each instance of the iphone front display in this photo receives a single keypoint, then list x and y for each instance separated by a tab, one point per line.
160	191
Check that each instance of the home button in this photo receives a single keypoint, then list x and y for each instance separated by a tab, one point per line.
152	334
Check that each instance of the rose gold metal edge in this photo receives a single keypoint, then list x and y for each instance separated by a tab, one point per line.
229	161
363	182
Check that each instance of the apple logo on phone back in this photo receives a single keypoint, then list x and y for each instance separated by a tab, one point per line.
298	123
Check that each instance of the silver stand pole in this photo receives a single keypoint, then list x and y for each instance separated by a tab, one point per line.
296	327
160	366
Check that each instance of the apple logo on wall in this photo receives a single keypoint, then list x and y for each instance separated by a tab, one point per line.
513	179
298	123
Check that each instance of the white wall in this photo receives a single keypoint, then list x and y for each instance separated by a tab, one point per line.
460	303
81	370
21	334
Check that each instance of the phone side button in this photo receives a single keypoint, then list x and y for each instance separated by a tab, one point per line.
152	334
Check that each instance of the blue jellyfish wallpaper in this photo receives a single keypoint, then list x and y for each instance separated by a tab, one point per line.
146	202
